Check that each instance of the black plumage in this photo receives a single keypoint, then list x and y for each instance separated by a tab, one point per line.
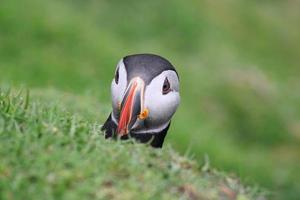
149	66
156	140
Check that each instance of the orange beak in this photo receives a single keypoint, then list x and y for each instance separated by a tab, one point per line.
131	106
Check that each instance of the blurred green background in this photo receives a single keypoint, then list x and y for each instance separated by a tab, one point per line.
238	62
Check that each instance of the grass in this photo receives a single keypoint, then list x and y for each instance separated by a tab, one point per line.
50	153
238	62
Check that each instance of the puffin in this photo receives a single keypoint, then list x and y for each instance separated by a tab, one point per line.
145	96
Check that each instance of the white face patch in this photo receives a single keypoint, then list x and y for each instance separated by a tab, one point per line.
118	89
161	106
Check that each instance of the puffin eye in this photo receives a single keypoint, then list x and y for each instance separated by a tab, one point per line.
117	76
166	87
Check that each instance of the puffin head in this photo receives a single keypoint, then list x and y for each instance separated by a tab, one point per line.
145	95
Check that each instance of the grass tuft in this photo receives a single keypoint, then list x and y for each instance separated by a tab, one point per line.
50	153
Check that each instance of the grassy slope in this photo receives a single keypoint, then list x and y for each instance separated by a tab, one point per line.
48	152
238	62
